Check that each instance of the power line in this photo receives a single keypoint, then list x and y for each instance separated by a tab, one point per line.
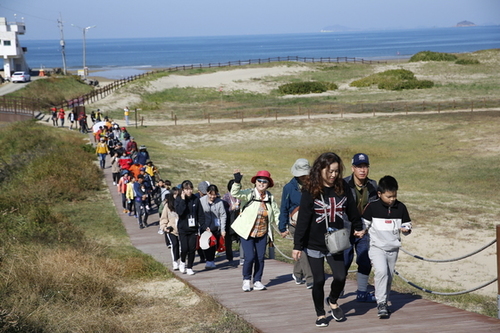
26	14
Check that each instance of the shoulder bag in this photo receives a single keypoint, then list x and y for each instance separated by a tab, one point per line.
336	240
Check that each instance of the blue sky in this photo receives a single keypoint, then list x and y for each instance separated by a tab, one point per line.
166	18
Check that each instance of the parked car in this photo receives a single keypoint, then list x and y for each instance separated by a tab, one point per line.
20	77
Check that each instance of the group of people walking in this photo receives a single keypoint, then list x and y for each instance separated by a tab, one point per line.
369	212
76	121
316	202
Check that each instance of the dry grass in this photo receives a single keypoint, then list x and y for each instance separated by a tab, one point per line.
66	263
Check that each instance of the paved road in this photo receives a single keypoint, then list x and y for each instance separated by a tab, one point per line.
9	87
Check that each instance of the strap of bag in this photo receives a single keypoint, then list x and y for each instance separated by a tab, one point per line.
252	198
326	215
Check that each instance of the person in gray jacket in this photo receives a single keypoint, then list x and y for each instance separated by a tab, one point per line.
215	221
364	190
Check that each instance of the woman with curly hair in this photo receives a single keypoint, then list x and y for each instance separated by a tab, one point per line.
326	201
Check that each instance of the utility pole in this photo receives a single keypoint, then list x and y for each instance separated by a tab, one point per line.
62	43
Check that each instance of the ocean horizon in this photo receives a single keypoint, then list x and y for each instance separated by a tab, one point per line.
122	57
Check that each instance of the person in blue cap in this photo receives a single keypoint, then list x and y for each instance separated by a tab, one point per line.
364	190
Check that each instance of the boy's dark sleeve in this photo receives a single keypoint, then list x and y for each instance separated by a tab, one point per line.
306	214
406	215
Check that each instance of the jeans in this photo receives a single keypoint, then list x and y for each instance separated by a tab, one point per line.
139	210
255	250
102	160
361	246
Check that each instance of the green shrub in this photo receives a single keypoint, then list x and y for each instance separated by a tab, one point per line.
389	77
299	88
432	56
408	84
467	62
393	79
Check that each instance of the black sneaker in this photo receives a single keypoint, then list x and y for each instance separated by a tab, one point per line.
337	313
321	322
383	312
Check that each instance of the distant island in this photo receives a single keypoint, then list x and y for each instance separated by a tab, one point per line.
465	24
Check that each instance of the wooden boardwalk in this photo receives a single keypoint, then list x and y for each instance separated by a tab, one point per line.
287	307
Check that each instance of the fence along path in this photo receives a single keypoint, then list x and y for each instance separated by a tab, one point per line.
286	307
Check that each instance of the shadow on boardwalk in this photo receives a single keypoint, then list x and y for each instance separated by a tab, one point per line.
287	307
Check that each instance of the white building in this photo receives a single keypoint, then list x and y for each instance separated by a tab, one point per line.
10	49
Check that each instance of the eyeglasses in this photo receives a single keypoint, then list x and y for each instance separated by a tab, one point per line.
263	181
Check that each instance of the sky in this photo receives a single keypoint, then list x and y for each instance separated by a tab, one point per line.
167	18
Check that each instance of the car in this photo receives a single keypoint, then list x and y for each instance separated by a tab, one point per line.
20	77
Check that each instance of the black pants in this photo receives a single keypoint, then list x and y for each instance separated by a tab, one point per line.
124	201
173	240
228	242
210	252
336	263
188	248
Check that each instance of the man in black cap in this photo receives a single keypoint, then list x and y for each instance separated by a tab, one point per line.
364	190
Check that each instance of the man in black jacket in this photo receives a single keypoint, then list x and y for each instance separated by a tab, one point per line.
364	190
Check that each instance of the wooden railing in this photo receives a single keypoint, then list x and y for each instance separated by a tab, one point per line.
19	105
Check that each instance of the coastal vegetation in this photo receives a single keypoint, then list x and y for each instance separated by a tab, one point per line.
66	263
393	79
467	62
432	56
301	88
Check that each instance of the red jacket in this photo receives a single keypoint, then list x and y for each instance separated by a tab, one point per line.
125	162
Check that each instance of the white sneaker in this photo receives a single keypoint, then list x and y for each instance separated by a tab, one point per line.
242	261
114	183
175	265
182	267
257	285
246	285
189	271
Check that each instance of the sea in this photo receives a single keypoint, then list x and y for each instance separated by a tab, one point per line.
118	58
